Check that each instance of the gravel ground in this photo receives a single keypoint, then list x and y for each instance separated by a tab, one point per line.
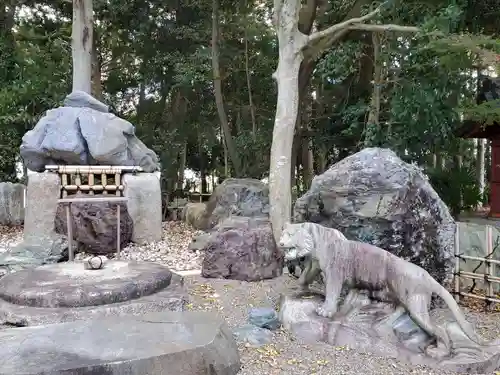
233	299
287	355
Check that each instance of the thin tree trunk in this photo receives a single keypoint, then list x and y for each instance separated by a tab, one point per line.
182	166
373	122
81	37
249	88
219	100
307	157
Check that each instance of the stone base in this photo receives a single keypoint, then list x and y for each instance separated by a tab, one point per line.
189	343
380	329
66	291
143	191
42	194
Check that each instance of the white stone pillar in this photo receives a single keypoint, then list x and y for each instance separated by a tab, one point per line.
143	191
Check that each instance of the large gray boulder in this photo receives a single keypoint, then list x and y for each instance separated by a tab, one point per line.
11	203
242	248
34	252
182	343
375	197
237	197
95	226
83	132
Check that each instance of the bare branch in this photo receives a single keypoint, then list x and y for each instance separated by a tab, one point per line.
383	28
343	25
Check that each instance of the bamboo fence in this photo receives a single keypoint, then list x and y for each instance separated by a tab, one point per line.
489	277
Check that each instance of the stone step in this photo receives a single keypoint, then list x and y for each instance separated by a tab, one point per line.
180	343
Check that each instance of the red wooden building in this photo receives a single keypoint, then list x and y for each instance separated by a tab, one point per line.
490	91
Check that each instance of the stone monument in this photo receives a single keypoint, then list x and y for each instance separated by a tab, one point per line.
377	302
93	137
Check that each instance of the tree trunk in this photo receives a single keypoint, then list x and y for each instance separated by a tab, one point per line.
372	124
81	38
249	88
287	76
219	100
291	43
307	157
480	164
182	166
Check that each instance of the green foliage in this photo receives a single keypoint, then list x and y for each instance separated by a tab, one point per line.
457	187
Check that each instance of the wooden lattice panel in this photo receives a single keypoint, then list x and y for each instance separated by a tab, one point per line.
91	179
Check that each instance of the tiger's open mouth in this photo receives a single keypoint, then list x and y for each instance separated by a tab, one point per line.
291	253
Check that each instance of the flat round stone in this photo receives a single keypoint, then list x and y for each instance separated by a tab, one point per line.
70	285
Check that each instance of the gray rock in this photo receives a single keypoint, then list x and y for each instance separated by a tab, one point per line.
83	135
71	285
237	197
255	336
42	195
80	99
67	291
95	226
189	343
143	192
264	317
199	242
11	203
242	248
34	252
375	197
378	328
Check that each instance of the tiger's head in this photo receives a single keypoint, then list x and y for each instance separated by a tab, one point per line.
296	241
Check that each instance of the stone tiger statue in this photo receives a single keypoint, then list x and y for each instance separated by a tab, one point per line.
360	265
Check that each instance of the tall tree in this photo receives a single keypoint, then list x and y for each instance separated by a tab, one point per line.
293	44
82	39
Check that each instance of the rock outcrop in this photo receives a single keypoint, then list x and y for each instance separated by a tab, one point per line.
237	197
375	197
83	132
11	203
242	248
95	226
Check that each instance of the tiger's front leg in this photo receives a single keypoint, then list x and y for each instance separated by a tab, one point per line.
304	276
333	288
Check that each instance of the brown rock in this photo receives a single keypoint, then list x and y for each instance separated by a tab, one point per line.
94	226
242	248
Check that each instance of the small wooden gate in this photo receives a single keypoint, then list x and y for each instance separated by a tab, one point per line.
90	179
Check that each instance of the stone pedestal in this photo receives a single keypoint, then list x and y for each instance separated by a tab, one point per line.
380	329
11	203
65	292
189	343
42	193
143	191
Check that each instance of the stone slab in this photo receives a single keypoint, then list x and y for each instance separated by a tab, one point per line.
143	191
71	285
189	343
42	195
146	293
379	329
